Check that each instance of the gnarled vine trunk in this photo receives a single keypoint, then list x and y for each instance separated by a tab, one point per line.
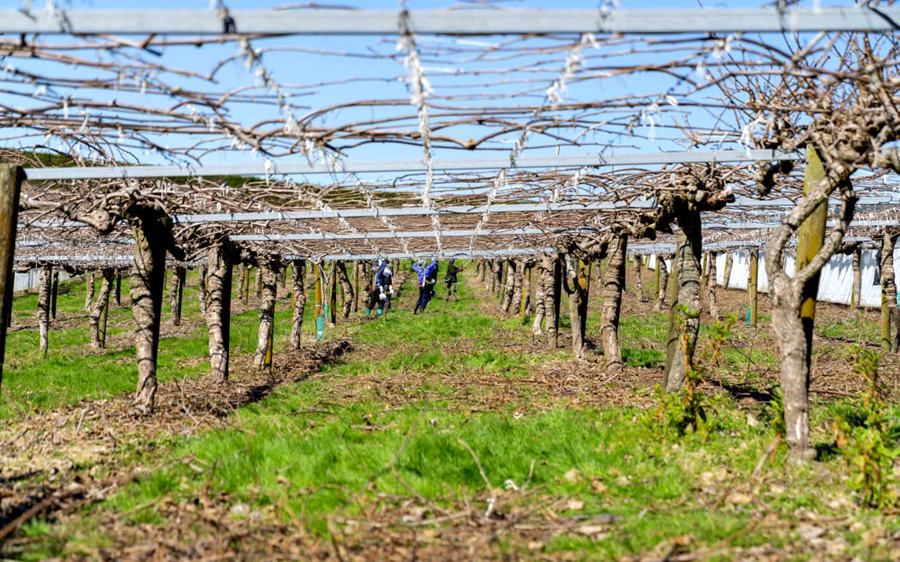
577	287
638	279
711	284
201	286
218	281
267	279
515	305
663	283
857	280
545	279
100	309
510	286
46	289
151	238
88	290
613	283
176	293
684	322
347	287
298	303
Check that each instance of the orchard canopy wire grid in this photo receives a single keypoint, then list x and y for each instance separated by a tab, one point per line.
309	132
202	98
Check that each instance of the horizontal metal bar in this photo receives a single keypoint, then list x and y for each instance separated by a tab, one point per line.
456	22
381	235
406	166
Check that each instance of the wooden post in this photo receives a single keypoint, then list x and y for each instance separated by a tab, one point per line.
319	304
810	239
332	295
10	186
356	286
118	292
752	283
857	279
726	275
246	285
54	294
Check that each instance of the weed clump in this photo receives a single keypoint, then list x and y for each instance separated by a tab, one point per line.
863	435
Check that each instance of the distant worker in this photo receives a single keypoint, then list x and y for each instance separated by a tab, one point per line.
381	290
451	278
427	281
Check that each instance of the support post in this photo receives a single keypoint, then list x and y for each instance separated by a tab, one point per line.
118	291
857	279
54	294
752	286
10	186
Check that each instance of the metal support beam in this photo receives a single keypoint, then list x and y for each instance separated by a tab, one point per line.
457	22
407	166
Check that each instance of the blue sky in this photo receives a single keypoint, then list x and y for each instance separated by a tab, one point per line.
292	68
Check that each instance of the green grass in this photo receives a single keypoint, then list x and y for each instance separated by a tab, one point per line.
73	372
344	442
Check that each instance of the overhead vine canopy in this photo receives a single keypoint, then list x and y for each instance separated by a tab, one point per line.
205	101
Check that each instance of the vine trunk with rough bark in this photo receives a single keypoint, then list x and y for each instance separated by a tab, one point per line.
711	284
201	286
577	287
613	283
298	304
46	289
98	331
218	281
267	279
684	321
88	290
347	287
857	280
663	284
638	279
147	279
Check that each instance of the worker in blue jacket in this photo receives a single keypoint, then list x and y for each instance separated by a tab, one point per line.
427	280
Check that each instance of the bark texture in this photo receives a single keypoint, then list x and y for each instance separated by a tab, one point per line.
545	280
726	275
663	284
176	292
684	323
299	304
151	238
267	279
711	284
857	279
201	286
347	287
577	288
88	290
613	282
638	278
218	281
99	310
46	288
510	286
